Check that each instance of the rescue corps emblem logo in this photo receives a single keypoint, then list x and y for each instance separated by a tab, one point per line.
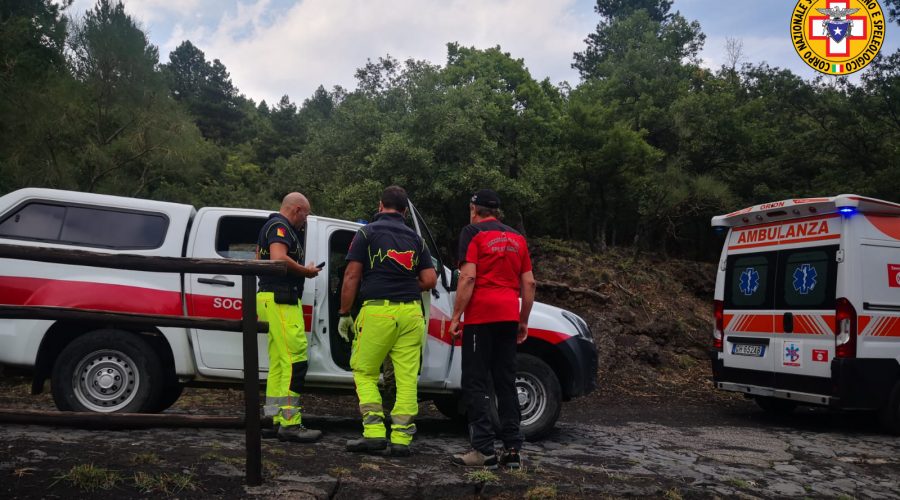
837	37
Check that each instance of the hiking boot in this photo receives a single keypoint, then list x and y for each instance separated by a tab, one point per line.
399	450
475	458
298	434
269	432
510	458
367	444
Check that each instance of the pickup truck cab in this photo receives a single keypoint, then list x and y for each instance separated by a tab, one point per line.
93	367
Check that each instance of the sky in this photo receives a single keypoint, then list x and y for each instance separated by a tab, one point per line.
289	47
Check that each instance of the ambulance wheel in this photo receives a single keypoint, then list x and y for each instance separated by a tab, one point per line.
540	396
890	414
776	406
107	371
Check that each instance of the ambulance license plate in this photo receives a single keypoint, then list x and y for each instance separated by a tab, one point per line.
756	350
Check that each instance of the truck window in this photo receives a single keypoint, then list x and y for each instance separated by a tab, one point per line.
749	281
34	221
86	226
808	278
236	236
113	229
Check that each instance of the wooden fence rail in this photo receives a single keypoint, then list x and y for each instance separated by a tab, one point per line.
248	324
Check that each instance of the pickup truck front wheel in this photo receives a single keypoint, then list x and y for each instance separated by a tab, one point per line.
107	371
540	396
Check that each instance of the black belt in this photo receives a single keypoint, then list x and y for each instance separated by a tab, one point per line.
385	302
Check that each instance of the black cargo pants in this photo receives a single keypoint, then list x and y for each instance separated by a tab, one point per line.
489	367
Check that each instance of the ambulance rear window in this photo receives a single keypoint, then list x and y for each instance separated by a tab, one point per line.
808	278
748	281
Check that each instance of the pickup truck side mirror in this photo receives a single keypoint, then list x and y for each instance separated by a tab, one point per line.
454	280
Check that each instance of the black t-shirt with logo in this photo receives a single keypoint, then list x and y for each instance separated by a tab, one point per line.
278	230
392	255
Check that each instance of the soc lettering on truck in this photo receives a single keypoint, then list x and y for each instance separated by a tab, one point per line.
227	303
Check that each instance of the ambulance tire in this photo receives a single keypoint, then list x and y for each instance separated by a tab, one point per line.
107	371
776	406
890	414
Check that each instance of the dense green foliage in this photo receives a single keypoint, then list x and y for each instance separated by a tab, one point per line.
640	153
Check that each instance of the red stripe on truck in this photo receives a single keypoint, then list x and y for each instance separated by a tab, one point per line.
81	294
440	330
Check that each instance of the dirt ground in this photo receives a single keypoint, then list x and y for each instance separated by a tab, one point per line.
604	447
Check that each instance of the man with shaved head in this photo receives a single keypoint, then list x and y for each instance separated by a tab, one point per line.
282	238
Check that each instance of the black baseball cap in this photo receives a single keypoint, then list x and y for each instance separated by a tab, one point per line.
486	198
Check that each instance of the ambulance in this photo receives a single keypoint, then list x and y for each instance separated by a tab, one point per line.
807	305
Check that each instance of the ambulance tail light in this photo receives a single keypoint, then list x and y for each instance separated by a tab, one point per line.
719	331
844	329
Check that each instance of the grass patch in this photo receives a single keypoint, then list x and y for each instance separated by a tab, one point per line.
23	471
148	458
541	492
271	467
278	452
520	473
672	494
739	483
368	466
165	483
339	472
88	477
218	457
482	476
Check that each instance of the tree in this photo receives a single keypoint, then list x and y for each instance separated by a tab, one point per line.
134	137
644	27
209	94
34	89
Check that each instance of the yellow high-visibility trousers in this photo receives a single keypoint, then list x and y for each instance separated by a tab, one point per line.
388	329
288	360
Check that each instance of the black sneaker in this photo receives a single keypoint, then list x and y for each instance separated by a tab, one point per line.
367	444
475	458
298	434
399	450
510	458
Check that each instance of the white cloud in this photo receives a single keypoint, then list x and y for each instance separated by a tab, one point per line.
317	42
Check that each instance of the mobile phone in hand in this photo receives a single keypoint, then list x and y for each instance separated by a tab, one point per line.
320	265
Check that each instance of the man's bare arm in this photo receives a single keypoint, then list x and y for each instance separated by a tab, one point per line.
278	251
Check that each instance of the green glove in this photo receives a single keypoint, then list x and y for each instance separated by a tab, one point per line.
345	326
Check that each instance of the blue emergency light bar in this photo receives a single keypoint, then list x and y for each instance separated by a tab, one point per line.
847	210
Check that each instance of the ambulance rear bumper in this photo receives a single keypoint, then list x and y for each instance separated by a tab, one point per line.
854	383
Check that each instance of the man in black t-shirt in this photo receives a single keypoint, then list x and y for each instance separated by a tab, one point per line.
395	267
278	303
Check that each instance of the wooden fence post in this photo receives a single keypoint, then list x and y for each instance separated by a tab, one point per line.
251	381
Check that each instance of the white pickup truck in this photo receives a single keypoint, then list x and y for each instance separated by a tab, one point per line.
93	367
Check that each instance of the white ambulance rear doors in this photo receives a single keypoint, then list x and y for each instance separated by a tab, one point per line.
779	302
878	286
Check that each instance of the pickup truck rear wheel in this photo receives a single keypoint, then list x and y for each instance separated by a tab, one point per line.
540	396
107	371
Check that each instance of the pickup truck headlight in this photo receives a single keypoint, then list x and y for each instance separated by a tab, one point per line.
580	325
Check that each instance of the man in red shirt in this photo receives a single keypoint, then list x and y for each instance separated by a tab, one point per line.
495	269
